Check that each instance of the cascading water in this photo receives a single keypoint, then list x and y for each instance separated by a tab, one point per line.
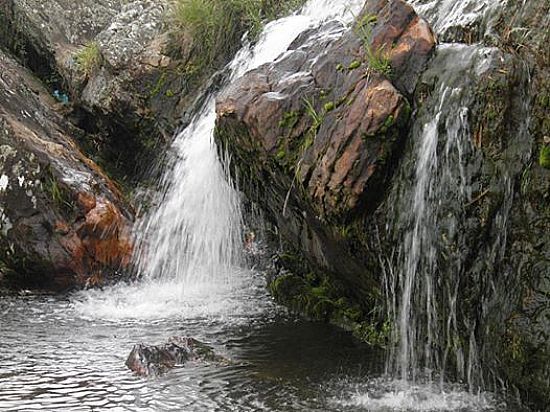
436	340
189	244
194	234
417	278
189	255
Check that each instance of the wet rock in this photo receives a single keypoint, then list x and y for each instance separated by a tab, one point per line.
317	132
147	360
63	222
111	57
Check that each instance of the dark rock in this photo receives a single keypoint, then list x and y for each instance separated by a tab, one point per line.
317	131
63	222
155	360
129	100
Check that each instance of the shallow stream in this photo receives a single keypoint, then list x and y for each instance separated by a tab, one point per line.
68	353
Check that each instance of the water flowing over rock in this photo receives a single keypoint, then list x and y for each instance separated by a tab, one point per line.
317	131
147	360
63	222
429	217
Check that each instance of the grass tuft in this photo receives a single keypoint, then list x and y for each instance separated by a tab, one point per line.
215	27
378	59
89	58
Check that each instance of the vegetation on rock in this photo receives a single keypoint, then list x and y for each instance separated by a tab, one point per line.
544	157
89	59
215	26
377	57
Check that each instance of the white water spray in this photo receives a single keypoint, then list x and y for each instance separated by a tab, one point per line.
189	244
194	235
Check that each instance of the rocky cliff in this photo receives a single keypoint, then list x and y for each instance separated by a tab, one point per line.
396	179
63	222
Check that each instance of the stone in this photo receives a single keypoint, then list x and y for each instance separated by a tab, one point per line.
146	360
130	98
64	222
319	129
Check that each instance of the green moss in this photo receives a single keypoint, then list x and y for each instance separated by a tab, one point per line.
280	154
389	121
89	59
319	299
354	65
373	334
289	120
159	85
340	67
329	106
544	156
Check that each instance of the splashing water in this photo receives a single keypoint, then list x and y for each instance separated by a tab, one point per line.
189	245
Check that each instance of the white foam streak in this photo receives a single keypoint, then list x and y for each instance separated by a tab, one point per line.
400	396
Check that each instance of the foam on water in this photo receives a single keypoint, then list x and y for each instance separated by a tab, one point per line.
159	300
401	396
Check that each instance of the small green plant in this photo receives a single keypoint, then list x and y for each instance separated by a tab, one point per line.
316	117
544	156
89	59
289	120
354	65
59	195
365	23
378	59
329	107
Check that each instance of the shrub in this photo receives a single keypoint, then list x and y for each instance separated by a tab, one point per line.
89	58
216	26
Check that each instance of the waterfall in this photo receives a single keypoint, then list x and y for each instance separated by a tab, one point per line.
189	242
193	234
417	276
434	267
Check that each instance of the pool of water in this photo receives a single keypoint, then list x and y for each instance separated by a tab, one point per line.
68	352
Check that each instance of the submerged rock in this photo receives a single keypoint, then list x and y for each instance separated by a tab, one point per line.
63	222
148	360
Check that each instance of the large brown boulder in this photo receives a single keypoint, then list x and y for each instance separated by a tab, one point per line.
315	134
63	223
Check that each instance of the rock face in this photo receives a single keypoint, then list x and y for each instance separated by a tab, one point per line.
63	223
323	141
319	130
110	57
147	360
